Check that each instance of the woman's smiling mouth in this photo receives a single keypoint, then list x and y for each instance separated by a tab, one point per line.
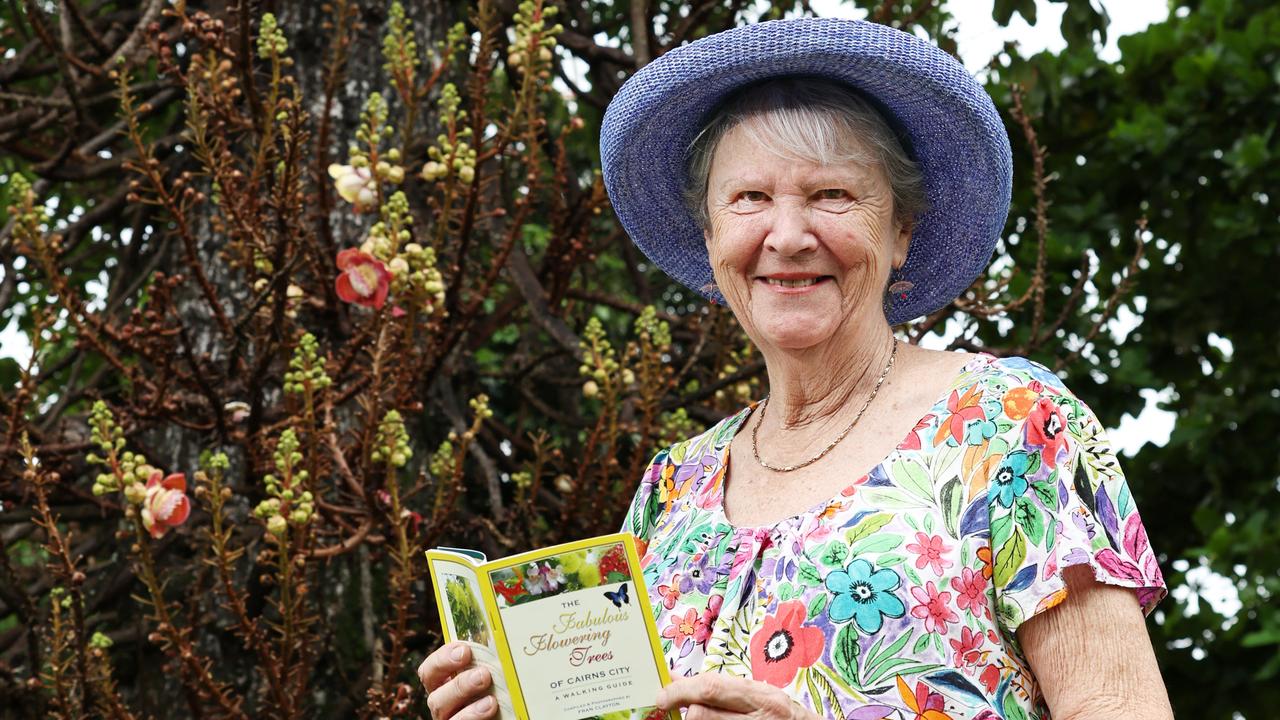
793	285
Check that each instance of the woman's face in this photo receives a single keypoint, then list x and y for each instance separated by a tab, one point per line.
775	222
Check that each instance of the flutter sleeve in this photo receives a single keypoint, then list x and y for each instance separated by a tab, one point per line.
1060	499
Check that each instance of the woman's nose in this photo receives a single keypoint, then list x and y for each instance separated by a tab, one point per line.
791	232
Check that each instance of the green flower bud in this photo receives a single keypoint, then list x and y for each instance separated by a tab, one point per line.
277	525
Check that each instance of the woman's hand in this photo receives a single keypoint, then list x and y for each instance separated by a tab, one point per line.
454	691
712	696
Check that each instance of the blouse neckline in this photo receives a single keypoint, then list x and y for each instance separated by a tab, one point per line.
735	423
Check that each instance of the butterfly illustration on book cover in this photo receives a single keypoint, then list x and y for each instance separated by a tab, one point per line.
619	596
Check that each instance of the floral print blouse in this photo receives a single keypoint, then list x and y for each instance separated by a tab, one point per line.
899	597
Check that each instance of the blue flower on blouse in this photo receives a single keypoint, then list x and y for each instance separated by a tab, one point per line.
865	596
1011	478
1034	369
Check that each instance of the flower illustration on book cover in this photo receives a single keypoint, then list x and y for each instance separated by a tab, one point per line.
566	572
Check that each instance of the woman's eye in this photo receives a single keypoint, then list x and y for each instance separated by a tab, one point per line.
753	196
833	194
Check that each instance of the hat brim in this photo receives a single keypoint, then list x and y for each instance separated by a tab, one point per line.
953	128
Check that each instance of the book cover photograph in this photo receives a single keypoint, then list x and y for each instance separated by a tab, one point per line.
565	631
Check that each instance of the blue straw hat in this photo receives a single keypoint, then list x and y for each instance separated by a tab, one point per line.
947	120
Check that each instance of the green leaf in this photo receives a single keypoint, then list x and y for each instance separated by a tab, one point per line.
921	643
1029	518
1012	710
900	666
817	605
845	652
1009	559
878	656
876	544
835	554
1033	464
866	526
912	575
890	559
786	591
1047	492
1009	612
809	575
833	676
951	498
1001	526
892	498
912	477
813	689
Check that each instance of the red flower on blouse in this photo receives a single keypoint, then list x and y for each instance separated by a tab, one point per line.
971	591
990	677
931	552
1046	428
681	628
670	593
912	441
933	608
967	648
781	646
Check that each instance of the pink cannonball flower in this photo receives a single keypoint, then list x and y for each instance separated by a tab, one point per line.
165	504
364	279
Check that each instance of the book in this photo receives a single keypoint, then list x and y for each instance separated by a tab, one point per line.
566	631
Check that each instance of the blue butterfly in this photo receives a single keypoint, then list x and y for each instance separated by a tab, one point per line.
619	596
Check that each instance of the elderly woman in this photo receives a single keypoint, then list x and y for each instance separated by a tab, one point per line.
893	532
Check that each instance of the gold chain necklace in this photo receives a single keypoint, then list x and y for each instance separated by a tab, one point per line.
764	403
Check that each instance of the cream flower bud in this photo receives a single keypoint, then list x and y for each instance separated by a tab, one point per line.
355	185
135	493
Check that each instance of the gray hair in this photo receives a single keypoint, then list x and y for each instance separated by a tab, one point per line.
807	119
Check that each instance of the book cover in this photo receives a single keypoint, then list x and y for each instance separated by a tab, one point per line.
566	631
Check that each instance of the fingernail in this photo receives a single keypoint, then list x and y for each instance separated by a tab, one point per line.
662	699
485	704
478	677
458	653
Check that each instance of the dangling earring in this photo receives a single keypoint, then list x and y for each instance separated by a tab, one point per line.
901	288
712	290
897	289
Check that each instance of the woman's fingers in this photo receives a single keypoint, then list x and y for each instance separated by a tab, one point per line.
485	707
702	712
712	690
463	697
443	664
712	696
